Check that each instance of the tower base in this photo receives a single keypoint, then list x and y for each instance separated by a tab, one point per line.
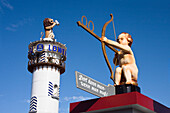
126	88
133	102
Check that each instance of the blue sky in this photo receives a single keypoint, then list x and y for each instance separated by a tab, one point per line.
22	21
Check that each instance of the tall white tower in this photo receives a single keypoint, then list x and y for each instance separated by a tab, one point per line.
46	63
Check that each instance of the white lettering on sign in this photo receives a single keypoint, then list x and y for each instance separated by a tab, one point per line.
83	78
85	85
94	89
91	83
100	87
103	93
92	86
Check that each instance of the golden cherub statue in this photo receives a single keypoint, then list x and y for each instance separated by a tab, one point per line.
125	59
48	26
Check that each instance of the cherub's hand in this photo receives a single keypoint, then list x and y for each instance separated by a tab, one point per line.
104	39
54	23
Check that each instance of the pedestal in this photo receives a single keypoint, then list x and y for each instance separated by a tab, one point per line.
133	102
126	88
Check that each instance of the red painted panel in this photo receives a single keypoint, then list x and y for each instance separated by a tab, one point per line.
114	101
117	101
145	101
104	102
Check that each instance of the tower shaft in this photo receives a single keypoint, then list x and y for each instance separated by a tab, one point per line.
46	63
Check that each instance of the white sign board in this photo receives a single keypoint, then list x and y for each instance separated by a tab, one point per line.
92	86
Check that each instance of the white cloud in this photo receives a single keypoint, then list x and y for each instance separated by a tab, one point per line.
26	101
10	28
76	98
66	100
15	26
6	4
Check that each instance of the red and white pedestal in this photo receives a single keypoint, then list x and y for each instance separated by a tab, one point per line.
133	102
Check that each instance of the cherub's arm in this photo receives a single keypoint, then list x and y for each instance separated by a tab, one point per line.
115	59
50	27
115	44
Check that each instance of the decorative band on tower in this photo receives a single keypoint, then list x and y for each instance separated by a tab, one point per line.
46	53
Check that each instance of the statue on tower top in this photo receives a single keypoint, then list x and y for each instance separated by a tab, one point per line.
48	26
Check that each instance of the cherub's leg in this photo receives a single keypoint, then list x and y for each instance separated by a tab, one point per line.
127	74
118	74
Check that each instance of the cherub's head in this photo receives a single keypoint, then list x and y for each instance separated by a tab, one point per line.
48	22
125	39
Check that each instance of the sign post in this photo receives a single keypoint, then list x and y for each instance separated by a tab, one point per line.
92	86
